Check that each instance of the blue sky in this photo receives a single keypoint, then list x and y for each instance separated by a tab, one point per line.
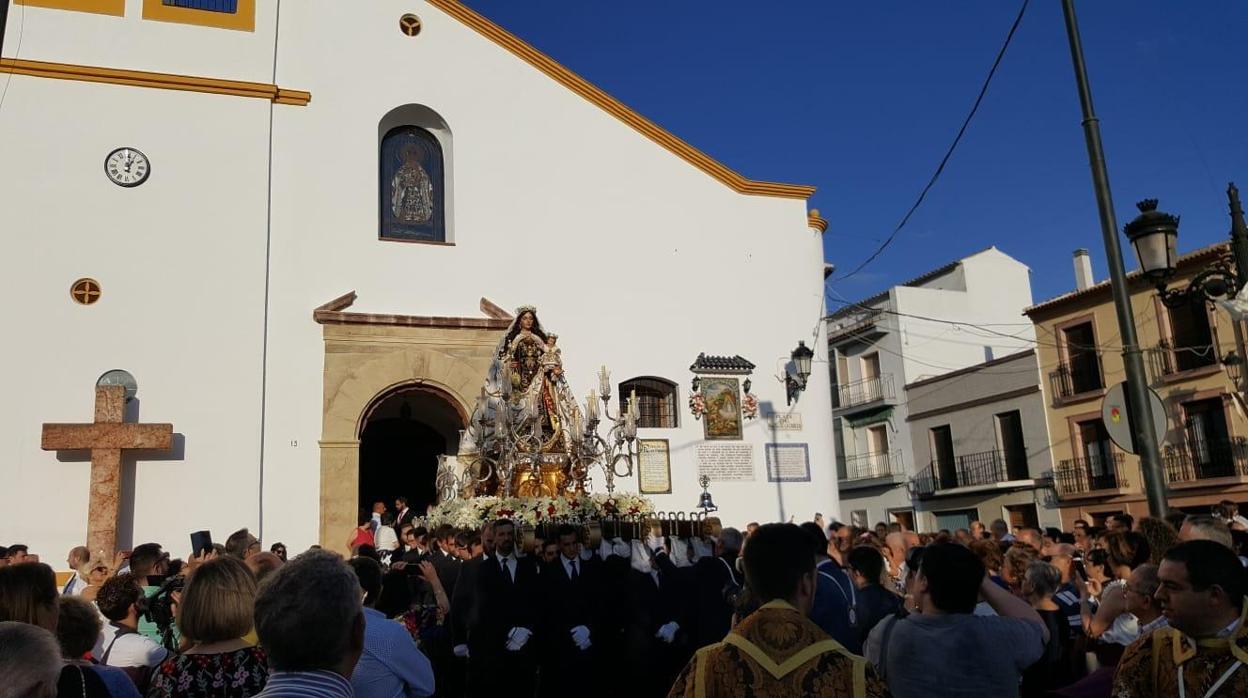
861	99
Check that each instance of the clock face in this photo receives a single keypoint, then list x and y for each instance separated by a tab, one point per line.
127	167
119	377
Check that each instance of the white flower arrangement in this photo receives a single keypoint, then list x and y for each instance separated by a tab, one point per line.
472	513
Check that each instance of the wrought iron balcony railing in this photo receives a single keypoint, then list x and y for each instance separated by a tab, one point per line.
873	465
1082	375
1165	359
855	324
1211	459
970	470
1081	475
866	391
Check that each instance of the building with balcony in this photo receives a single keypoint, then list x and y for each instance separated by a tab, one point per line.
1205	446
981	446
958	315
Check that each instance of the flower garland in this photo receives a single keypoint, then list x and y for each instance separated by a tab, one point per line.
472	513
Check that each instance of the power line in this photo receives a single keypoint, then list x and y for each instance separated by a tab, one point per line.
949	153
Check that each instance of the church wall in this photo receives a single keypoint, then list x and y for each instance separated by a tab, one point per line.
133	43
639	260
180	260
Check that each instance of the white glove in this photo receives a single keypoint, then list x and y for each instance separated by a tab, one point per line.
655	543
641	557
604	549
667	633
701	549
460	651
619	548
580	637
517	638
679	553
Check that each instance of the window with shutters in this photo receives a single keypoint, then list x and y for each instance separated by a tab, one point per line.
656	402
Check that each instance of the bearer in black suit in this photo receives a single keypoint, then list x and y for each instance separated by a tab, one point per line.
501	648
570	631
656	635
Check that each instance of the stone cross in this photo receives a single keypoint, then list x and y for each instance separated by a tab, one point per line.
106	438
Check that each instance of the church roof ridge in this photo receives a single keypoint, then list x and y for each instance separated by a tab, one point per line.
599	97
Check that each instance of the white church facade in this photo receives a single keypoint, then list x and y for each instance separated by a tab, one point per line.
302	228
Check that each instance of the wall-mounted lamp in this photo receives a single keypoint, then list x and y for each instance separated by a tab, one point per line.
795	384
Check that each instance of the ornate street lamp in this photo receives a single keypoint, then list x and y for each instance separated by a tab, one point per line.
1154	235
802	357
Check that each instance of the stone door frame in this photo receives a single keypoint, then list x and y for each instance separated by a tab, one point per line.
368	358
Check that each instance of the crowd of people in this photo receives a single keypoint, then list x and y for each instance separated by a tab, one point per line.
1144	609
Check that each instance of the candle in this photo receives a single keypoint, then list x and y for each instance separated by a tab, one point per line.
591	406
604	381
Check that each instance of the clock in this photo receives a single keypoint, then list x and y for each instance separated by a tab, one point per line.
127	167
119	377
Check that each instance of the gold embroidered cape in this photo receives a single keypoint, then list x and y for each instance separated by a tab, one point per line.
1150	666
777	652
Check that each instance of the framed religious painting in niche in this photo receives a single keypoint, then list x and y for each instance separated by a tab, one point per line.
413	199
722	397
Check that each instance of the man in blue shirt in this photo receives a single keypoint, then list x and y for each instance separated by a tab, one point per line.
391	665
311	624
833	609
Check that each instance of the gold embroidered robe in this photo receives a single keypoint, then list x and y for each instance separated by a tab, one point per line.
1150	666
777	651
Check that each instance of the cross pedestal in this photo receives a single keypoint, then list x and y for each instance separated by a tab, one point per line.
106	438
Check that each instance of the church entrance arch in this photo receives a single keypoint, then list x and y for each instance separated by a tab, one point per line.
397	390
401	435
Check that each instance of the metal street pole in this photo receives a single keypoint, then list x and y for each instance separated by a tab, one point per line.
4	18
1239	234
1139	411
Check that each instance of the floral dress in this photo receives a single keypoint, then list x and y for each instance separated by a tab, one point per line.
238	674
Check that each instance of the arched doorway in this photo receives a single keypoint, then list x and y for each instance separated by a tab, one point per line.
401	436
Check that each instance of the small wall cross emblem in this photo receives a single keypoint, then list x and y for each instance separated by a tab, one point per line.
85	291
409	24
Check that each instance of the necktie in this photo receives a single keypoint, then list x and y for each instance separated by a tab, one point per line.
575	574
506	570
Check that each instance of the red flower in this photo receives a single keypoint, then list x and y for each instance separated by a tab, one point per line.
551	510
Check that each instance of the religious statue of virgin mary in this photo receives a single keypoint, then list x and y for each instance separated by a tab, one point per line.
527	413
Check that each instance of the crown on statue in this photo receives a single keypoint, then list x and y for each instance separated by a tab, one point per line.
526	309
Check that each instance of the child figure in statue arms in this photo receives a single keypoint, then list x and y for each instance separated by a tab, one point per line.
552	358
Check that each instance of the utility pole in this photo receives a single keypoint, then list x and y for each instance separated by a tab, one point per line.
1139	411
4	19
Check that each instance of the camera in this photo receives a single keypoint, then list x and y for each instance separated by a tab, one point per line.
158	609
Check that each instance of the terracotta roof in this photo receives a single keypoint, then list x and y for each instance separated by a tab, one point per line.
1103	287
721	364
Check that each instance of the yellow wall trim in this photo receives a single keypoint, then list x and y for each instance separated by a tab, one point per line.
816	221
117	8
244	19
616	108
163	81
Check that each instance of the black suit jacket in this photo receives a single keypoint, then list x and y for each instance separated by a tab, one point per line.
464	601
400	519
650	607
566	604
500	605
447	567
711	613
